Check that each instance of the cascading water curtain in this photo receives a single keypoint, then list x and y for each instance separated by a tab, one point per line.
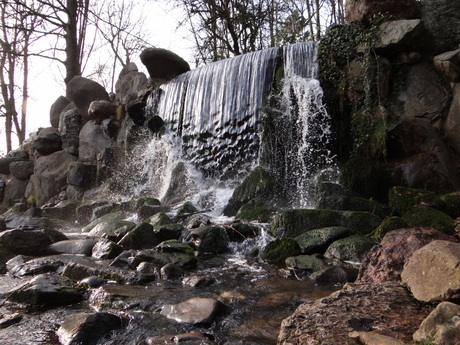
304	124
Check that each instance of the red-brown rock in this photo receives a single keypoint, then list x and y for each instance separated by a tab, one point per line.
363	10
385	261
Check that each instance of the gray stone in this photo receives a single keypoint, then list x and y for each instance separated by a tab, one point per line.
81	247
398	35
110	220
372	338
442	326
331	275
26	242
317	240
452	123
129	83
50	175
65	210
106	249
56	108
48	142
449	65
87	328
71	124
353	248
163	64
171	271
209	239
194	311
432	273
14	190
364	10
141	237
82	175
45	290
92	142
309	263
82	92
101	110
22	170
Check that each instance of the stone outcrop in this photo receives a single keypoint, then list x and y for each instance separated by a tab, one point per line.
163	64
56	109
385	261
386	309
92	142
432	273
398	35
365	9
129	82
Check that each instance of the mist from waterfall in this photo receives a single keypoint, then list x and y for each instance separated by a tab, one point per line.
215	117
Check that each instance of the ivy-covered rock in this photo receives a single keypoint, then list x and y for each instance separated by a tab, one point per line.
292	223
279	250
317	240
429	217
389	224
352	248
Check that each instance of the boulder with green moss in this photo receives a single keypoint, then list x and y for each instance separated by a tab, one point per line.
111	220
292	223
401	199
317	240
310	263
279	250
158	220
258	185
424	216
255	210
352	248
389	224
186	209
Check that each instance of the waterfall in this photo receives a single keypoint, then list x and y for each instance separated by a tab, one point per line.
227	113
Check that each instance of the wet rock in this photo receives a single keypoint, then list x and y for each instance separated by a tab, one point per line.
22	170
317	240
56	109
79	247
17	260
332	275
82	269
386	308
9	320
147	211
429	217
292	223
171	271
136	111
238	232
33	267
169	232
437	262
442	326
385	261
389	224
108	221
82	175
363	10
194	311
209	239
198	281
50	175
101	110
87	328
353	248
163	64
27	242
372	338
203	338
82	92
106	249
158	220
141	237
179	185
65	210
156	125
399	35
92	281
310	263
92	142
45	290
280	249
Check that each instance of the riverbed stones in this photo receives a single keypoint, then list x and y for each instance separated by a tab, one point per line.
194	311
385	261
442	326
87	328
45	290
432	273
386	308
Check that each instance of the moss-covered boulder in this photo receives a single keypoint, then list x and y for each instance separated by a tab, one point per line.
292	223
258	185
317	240
352	248
110	220
310	263
389	224
209	239
354	203
279	250
401	199
158	220
425	216
186	209
255	210
141	237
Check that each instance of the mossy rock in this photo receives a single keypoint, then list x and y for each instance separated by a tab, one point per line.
277	251
292	223
403	198
258	185
310	263
186	209
112	231
209	239
355	203
255	210
176	246
389	224
423	216
111	219
352	248
158	220
450	204
317	240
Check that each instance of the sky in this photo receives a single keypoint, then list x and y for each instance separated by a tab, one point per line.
46	82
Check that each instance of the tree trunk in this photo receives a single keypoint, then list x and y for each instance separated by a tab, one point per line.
72	49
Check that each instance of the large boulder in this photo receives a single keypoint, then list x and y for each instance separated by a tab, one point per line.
383	308
385	261
209	239
399	35
163	64
22	170
50	175
101	110
56	109
363	10
92	142
448	64
82	91
129	83
48	141
194	311
432	273
28	242
442	20
352	248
